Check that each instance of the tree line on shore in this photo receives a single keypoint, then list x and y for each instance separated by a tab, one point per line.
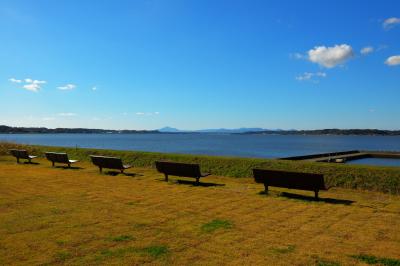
43	130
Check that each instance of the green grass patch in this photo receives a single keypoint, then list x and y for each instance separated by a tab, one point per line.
121	238
374	178
284	250
155	251
369	259
118	253
215	225
62	256
323	262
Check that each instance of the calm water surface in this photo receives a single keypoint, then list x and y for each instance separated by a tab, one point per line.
261	146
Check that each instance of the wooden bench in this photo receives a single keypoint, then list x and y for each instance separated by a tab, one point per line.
56	157
22	154
180	169
109	162
292	180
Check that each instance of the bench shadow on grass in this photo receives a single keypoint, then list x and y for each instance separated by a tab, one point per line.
115	173
201	184
310	198
28	163
68	168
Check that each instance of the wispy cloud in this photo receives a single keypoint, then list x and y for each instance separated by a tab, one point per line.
367	50
67	87
330	57
14	80
150	113
393	60
94	88
29	84
67	114
298	56
390	23
309	76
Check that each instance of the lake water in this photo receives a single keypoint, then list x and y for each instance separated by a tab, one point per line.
261	146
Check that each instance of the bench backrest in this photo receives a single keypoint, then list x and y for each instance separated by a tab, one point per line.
19	153
107	162
294	180
57	157
178	169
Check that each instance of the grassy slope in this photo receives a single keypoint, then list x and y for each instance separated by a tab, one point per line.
57	216
384	179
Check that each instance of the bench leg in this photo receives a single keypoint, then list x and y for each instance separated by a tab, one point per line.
69	165
17	160
197	181
101	170
166	177
122	171
266	188
29	161
316	194
53	164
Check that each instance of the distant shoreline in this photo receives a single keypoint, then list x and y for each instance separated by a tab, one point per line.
317	132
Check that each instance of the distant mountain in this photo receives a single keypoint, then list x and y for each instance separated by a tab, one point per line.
218	130
169	130
233	130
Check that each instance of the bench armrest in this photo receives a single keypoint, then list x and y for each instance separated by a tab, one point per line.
205	174
73	161
127	166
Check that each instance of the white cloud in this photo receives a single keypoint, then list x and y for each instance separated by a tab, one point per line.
367	50
393	60
30	84
330	56
32	87
151	113
13	80
390	23
308	76
67	87
94	88
67	114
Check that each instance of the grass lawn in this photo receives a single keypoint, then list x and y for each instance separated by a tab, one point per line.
80	217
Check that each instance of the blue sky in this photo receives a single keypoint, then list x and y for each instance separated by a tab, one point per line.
200	64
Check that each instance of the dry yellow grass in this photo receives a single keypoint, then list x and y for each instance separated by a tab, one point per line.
80	217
